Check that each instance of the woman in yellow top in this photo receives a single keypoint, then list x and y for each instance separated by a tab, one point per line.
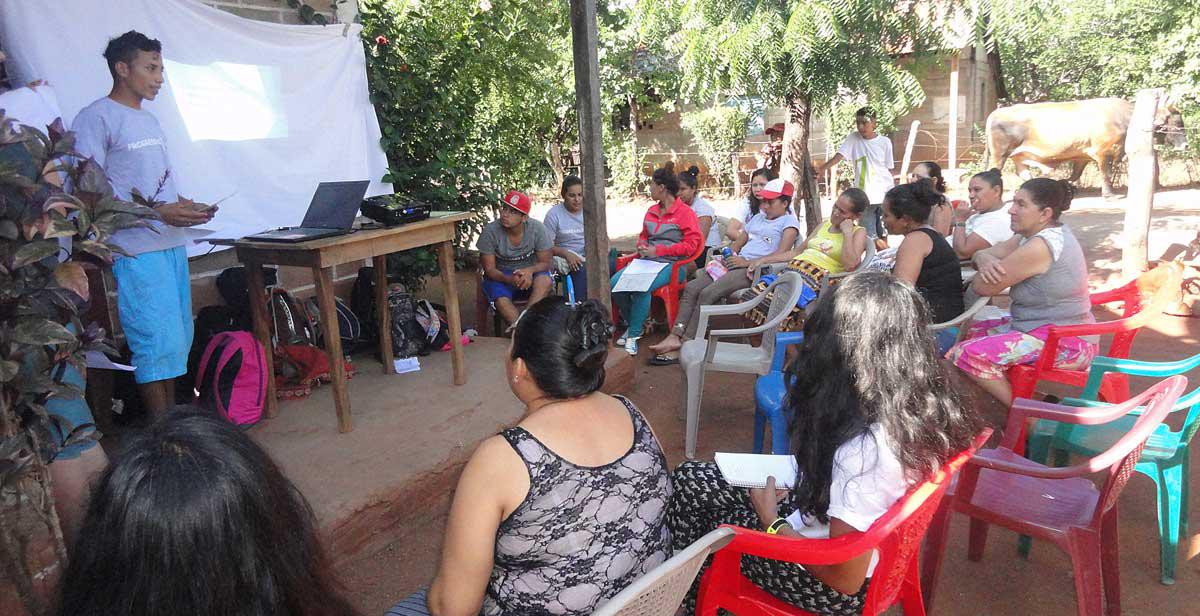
836	246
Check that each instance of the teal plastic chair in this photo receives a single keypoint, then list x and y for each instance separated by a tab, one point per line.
1165	458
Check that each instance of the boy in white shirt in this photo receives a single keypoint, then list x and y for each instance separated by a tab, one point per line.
871	156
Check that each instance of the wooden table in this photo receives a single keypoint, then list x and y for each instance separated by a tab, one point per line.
321	256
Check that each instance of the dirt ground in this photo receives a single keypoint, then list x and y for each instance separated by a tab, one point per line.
1002	583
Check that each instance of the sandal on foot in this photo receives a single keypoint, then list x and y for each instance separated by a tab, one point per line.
663	359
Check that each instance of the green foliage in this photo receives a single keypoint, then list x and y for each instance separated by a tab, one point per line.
625	162
821	51
42	286
718	132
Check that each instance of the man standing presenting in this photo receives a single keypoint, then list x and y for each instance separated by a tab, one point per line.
153	291
871	156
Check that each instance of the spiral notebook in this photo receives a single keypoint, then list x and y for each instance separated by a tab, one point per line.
750	470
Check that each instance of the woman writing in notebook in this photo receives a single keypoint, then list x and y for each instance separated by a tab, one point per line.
874	410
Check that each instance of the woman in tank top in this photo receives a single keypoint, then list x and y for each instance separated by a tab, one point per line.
1044	269
563	511
924	259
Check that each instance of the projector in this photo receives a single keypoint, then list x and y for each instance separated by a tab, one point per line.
389	212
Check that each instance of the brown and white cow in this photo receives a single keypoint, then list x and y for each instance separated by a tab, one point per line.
1046	135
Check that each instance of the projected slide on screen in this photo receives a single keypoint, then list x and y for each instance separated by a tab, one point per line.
223	101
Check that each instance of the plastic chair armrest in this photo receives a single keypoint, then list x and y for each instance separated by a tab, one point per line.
782	341
1146	368
724	309
1122	293
967	315
624	260
986	459
797	549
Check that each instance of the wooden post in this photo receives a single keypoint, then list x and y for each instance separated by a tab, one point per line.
952	160
1143	177
591	147
908	148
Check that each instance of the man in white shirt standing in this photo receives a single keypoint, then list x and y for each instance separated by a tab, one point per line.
870	154
153	291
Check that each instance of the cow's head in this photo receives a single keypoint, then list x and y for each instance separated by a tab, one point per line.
1168	123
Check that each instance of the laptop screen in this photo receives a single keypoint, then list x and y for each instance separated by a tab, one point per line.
335	205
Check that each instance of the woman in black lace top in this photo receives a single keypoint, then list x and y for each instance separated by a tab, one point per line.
563	511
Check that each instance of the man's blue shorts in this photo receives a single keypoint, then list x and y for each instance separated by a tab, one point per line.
154	300
495	289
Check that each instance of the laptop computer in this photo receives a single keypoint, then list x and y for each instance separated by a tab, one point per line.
332	211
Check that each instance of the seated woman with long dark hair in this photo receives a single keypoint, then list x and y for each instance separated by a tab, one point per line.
194	518
563	511
874	412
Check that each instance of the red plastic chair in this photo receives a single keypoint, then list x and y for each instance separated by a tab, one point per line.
1057	504
1160	285
668	293
897	536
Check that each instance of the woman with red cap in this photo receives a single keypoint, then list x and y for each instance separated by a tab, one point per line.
836	246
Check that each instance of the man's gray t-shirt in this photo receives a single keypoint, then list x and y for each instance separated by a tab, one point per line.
493	241
566	229
131	147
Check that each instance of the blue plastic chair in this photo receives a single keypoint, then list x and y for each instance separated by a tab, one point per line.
1165	458
769	392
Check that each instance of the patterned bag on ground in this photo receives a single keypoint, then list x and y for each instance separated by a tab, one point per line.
300	367
289	321
437	333
408	336
232	377
349	327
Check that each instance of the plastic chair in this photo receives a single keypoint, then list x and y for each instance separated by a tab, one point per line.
661	591
1060	505
896	535
706	352
1161	284
770	389
668	293
1165	458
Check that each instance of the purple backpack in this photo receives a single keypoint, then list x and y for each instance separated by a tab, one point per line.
232	377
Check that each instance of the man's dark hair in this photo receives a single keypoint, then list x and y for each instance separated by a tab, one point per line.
867	113
124	48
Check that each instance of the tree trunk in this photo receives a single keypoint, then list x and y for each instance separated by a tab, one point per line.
796	166
1143	176
556	162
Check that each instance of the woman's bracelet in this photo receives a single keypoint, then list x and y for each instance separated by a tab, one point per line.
779	523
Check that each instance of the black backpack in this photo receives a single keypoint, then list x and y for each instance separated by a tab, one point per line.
362	304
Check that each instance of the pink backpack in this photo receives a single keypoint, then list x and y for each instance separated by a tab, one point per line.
232	377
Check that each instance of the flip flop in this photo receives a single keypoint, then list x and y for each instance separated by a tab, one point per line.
662	359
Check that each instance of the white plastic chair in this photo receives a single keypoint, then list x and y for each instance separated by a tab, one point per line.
706	352
967	315
661	591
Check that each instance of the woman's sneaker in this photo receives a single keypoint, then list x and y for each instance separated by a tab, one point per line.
620	341
631	346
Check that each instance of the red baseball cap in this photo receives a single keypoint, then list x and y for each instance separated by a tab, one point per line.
518	201
775	188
